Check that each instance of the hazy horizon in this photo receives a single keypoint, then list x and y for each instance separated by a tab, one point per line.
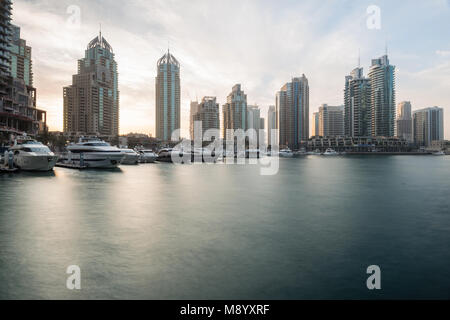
259	44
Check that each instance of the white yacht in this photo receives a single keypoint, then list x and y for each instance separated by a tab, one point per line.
300	153
314	153
286	153
31	155
131	156
147	156
330	152
94	153
439	153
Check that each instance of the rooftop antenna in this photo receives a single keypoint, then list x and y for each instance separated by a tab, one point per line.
359	57
100	33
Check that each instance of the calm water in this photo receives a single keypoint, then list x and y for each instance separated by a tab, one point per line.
161	231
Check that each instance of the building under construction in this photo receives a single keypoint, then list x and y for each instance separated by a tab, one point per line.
18	112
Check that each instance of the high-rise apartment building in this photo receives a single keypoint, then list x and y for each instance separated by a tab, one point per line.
91	103
5	40
331	121
382	81
192	111
207	112
428	125
21	64
167	97
18	112
315	124
271	125
404	121
253	118
254	122
234	112
292	104
357	104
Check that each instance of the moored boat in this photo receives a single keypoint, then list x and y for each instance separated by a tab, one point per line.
330	152
32	155
131	157
92	152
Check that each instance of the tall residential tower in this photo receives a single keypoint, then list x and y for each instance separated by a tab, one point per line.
91	103
357	104
404	121
207	112
18	112
382	80
234	112
167	97
292	103
271	125
331	121
428	125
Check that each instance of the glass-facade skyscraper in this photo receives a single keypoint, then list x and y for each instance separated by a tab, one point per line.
428	125
357	105
271	125
167	102
234	112
206	112
382	81
404	121
21	65
292	104
91	103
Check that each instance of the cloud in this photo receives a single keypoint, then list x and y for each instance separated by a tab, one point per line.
443	53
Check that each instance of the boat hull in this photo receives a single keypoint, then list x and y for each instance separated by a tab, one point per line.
96	160
147	159
35	162
130	159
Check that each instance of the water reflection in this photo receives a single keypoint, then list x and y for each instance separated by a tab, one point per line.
225	231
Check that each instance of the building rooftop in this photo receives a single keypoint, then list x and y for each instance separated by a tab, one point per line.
168	58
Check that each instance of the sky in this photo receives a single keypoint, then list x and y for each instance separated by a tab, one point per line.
260	44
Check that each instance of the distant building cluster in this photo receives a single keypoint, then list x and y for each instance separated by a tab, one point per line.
91	102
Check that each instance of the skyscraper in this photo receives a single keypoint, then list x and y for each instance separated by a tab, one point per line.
192	111
21	65
18	112
235	112
254	122
357	104
271	124
91	103
331	121
253	118
315	124
167	97
404	121
207	112
428	125
292	103
5	37
382	80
